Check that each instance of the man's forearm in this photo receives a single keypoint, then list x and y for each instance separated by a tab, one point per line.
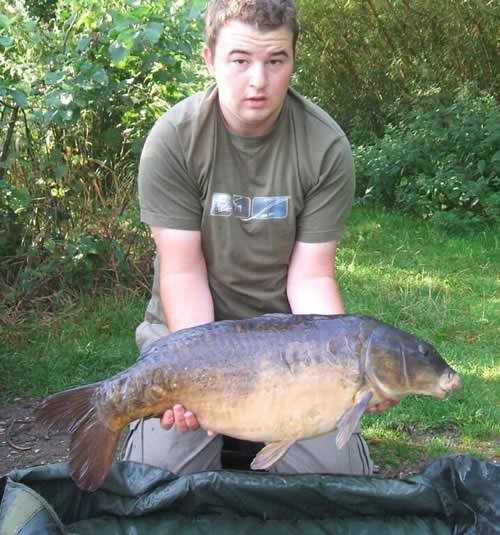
186	300
184	290
312	285
319	295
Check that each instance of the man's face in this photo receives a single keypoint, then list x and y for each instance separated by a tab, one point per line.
252	69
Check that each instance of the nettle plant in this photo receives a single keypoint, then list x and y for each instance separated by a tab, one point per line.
81	83
439	160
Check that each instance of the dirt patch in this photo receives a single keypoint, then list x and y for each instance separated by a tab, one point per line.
23	442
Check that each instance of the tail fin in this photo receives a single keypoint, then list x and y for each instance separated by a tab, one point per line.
93	443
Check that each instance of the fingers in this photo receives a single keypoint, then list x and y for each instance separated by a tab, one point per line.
182	419
167	420
185	420
383	405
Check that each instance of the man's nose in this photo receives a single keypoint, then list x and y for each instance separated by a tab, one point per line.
258	76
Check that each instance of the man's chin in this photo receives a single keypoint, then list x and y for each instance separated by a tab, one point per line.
259	117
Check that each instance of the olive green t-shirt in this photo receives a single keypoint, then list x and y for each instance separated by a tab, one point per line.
251	198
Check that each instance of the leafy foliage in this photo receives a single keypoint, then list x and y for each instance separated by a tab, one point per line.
440	160
388	71
357	57
81	83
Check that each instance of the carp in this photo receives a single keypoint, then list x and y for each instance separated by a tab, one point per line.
276	378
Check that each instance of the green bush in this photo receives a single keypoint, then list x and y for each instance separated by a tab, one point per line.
357	57
440	161
81	83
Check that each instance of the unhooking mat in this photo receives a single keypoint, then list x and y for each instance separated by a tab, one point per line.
458	494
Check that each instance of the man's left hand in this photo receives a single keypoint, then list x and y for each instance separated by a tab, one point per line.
383	405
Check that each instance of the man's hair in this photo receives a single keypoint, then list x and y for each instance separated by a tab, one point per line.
263	14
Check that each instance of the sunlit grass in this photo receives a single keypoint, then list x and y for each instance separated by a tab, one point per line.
397	269
78	346
445	290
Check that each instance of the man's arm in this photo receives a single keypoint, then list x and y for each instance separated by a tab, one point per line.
312	287
184	291
185	296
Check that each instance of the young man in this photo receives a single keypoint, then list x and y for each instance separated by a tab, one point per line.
246	188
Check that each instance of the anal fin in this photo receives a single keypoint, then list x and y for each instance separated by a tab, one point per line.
349	420
271	454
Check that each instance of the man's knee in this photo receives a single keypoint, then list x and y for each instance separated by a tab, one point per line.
180	453
147	333
321	455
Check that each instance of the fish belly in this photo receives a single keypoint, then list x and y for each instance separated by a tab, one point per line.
278	407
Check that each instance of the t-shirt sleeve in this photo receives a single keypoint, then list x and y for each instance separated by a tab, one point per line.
168	196
329	201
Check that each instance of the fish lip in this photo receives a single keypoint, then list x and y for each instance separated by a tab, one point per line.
450	383
442	393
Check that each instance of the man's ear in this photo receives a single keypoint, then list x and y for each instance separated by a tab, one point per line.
209	59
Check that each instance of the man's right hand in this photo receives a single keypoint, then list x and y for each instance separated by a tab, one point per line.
182	419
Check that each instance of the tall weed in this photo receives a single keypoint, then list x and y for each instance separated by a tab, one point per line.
440	160
357	57
81	84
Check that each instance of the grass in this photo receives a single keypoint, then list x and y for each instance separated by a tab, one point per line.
392	267
82	344
445	290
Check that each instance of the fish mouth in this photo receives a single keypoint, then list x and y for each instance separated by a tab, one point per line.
441	393
451	381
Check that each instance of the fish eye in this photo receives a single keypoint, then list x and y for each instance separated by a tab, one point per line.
424	350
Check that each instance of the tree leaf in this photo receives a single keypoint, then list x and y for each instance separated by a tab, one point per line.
53	78
60	170
20	98
6	40
101	77
196	8
118	52
30	25
83	44
127	37
123	24
36	38
4	21
137	145
153	31
163	76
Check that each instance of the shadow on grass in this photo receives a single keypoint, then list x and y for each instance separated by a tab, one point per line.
398	458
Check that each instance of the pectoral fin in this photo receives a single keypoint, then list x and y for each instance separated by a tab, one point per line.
349	420
270	454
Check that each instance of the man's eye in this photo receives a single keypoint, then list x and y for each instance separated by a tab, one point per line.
275	62
240	61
